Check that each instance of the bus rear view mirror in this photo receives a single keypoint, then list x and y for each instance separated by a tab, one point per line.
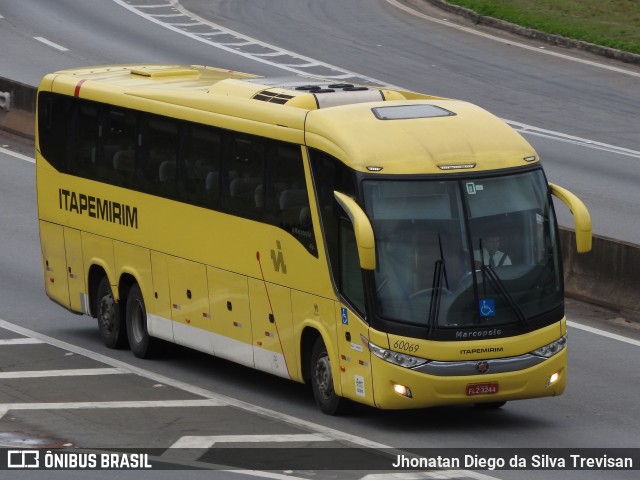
362	228
581	217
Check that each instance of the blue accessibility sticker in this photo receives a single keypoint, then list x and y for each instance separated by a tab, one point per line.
487	307
345	316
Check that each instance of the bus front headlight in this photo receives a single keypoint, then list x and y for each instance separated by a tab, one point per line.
552	348
391	356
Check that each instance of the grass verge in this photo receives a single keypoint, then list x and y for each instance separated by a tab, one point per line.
610	23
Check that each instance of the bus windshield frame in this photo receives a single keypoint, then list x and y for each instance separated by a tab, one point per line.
463	258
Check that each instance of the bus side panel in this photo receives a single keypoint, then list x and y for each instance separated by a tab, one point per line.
97	250
271	324
158	303
78	298
56	281
190	304
133	260
315	312
230	316
355	357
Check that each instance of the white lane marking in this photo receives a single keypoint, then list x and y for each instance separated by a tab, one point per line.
602	333
20	341
167	15
192	24
51	44
310	62
563	137
79	372
441	474
200	37
111	405
164	5
215	398
257	473
17	155
209	441
189	448
510	42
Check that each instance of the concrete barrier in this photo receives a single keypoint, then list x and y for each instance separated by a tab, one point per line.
19	119
608	276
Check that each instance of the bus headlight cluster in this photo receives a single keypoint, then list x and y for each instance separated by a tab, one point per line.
551	349
391	356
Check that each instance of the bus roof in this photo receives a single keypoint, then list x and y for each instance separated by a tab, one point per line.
372	129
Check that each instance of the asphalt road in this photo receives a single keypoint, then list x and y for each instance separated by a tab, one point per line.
187	394
578	111
370	40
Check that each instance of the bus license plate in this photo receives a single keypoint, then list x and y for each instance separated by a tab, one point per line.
482	388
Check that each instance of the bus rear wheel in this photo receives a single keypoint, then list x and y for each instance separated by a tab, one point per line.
141	343
322	380
112	331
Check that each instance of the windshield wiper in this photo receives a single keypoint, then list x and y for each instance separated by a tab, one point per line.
434	307
504	293
439	272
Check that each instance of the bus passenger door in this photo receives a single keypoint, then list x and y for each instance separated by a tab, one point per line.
230	316
355	357
190	304
272	329
78	298
56	281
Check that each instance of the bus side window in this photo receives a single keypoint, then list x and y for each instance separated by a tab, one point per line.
157	169
244	172
351	280
200	165
118	145
329	175
285	196
86	160
53	118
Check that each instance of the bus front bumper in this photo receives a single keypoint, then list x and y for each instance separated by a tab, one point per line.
402	388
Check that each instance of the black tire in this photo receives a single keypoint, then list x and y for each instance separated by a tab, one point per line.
322	381
112	330
142	345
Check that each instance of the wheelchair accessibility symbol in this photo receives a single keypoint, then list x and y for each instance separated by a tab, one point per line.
487	308
345	316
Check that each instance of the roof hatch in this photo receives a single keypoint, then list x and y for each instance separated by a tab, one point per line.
408	112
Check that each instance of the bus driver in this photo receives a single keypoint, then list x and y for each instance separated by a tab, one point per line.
491	255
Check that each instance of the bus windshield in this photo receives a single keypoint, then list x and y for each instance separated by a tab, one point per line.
456	254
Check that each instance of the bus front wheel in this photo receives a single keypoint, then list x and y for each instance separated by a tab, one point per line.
111	329
322	380
141	343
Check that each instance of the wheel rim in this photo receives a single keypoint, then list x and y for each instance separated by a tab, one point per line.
137	322
324	381
106	313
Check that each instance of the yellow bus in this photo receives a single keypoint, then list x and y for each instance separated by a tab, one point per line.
387	247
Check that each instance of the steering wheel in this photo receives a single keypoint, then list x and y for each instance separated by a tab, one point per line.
427	291
466	280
